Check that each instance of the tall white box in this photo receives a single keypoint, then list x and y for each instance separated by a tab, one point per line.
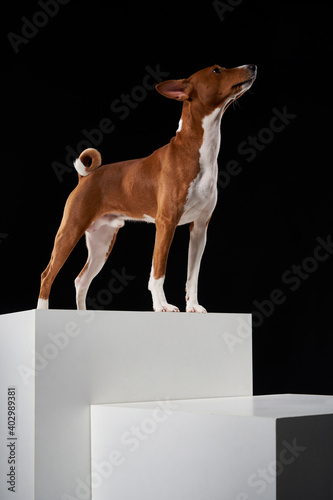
60	362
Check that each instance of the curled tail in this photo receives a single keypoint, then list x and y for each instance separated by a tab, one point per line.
89	160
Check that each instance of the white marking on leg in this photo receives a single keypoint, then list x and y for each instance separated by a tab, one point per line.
196	249
43	304
98	244
160	303
114	221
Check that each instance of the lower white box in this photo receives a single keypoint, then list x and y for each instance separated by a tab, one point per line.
244	448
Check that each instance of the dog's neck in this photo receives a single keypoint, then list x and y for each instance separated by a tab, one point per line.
199	127
193	115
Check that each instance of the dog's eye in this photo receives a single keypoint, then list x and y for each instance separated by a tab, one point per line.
217	70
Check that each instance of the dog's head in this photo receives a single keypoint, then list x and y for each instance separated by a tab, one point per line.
212	87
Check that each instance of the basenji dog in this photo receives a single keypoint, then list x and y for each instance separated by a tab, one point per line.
175	185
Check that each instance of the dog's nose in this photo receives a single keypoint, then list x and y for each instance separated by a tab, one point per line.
252	67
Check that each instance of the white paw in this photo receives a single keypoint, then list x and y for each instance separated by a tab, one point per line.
195	308
166	308
42	304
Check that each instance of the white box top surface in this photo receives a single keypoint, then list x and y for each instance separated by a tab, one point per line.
271	406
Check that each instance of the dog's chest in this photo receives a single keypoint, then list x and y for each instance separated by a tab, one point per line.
203	187
202	192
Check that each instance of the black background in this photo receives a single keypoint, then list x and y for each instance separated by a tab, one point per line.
268	217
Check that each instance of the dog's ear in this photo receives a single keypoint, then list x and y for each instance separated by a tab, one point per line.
175	89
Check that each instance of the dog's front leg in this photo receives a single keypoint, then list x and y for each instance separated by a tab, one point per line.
165	230
198	233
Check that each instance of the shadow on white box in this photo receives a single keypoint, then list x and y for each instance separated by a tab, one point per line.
60	362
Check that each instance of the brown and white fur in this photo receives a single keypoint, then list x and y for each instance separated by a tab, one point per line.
175	185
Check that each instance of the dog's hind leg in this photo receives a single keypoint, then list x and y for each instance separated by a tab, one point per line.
100	240
66	238
74	223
